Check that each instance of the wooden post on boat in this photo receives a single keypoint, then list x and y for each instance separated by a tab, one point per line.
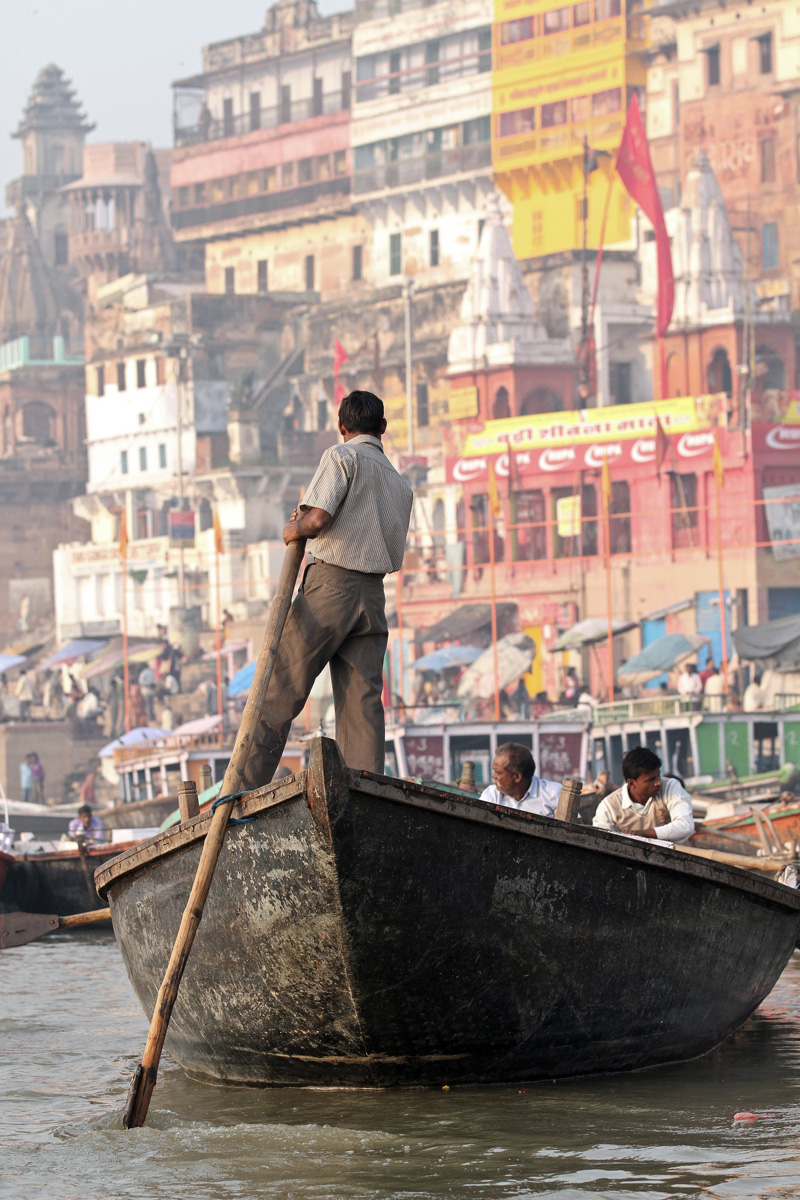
144	1079
570	799
205	777
187	799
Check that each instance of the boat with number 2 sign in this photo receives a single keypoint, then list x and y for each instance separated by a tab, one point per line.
366	931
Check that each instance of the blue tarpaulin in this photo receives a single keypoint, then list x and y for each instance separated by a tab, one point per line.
661	655
73	650
447	656
7	661
242	680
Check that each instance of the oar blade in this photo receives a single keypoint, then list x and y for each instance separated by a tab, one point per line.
19	928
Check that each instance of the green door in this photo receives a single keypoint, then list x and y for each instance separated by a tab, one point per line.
737	746
791	742
708	749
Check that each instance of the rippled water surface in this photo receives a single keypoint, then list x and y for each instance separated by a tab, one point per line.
71	1031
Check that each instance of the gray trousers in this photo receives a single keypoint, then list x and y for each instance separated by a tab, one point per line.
337	617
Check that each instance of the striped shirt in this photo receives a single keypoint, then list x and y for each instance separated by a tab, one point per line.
370	504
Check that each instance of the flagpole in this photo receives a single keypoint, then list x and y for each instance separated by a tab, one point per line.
723	616
606	490
126	681
493	593
399	688
219	641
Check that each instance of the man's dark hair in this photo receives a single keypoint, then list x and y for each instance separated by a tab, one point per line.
361	412
518	758
85	808
640	761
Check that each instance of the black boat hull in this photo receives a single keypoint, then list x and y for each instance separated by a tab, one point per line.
361	932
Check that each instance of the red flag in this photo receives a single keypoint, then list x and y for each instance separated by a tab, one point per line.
340	356
663	445
636	172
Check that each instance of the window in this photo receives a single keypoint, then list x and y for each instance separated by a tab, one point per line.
557	20
61	248
484	50
433	247
141	418
554	114
768	160
286	104
581	14
121	382
309	272
287	175
609	101
162	456
501	407
161	371
357	262
141	373
479	508
230	281
143	458
712	66
347	90
422	405
683	502
394	72
619	525
227	117
565	517
604	10
305	171
101	381
123	461
523	120
262	276
769	241
269	179
529	542
676	106
340	162
199	193
255	110
395	253
316	104
431	57
765	54
520	30
183	197
619	379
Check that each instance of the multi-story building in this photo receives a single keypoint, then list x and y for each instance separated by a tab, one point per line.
421	133
563	74
262	167
725	78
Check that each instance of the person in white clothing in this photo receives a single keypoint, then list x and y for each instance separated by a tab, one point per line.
754	698
516	784
646	804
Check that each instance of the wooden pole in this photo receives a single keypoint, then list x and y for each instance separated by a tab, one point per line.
126	674
493	594
219	648
609	594
723	616
401	670
144	1079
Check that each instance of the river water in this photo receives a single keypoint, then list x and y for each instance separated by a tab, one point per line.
71	1032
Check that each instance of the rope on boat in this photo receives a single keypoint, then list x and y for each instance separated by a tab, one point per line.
225	800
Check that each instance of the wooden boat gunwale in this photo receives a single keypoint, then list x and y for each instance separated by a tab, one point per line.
637	852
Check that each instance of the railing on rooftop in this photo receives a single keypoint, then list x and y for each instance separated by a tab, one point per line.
672	706
211	129
39	350
427	166
372	10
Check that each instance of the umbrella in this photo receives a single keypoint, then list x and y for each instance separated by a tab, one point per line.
143	733
447	656
200	725
72	650
515	654
242	680
585	633
7	661
661	655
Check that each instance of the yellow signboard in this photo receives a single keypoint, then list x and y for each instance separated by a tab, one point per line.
685	414
568	516
463	403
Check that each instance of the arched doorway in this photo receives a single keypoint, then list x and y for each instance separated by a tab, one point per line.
501	407
37	423
541	400
720	376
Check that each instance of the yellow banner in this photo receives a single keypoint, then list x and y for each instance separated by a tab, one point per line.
685	414
568	516
463	403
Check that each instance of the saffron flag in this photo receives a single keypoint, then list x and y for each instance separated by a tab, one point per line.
606	485
494	498
123	536
340	357
663	445
219	545
636	171
719	470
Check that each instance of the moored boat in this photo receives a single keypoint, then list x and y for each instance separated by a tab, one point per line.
57	881
366	931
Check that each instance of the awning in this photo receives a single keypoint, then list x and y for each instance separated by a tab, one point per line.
7	661
661	655
200	725
669	610
465	620
593	629
242	680
515	655
142	733
776	640
228	647
75	649
138	652
447	656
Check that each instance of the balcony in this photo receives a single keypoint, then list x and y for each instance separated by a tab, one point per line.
40	351
408	171
572	41
428	75
209	129
559	141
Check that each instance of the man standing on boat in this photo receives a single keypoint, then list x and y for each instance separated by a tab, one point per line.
516	784
355	515
646	804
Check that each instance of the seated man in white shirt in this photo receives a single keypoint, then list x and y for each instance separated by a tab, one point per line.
516	784
646	804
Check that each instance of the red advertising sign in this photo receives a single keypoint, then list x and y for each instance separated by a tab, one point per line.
425	757
559	755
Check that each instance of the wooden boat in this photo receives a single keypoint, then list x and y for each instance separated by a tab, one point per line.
60	881
366	931
6	860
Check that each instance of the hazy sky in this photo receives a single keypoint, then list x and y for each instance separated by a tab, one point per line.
121	55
